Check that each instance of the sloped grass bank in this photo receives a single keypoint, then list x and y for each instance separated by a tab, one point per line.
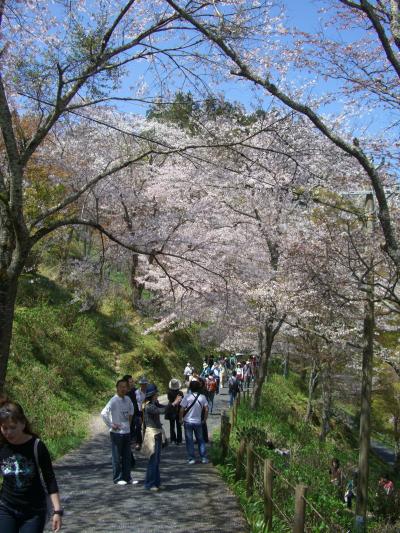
280	420
162	357
62	364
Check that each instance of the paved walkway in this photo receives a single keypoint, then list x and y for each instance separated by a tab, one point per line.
384	452
195	498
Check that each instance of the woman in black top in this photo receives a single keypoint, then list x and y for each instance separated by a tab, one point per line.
23	506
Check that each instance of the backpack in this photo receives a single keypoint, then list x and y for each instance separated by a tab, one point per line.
211	385
234	386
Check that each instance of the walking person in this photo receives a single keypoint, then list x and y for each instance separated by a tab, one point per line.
152	442
132	396
233	388
211	386
24	463
248	374
222	374
337	477
172	412
117	415
187	373
140	398
193	412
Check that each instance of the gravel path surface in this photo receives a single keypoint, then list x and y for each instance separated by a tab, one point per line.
195	499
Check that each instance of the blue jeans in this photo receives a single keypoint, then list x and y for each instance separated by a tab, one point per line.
232	397
153	466
121	456
12	521
197	429
211	401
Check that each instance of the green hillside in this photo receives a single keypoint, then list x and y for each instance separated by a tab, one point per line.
62	364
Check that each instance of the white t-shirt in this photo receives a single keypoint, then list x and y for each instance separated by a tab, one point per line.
117	411
194	415
188	371
140	397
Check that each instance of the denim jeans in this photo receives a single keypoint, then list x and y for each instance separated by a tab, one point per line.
232	397
12	521
153	466
197	429
121	456
175	430
138	429
210	398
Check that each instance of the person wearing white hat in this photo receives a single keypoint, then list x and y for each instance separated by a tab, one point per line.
172	412
187	373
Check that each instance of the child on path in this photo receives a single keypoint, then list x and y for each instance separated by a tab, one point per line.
24	462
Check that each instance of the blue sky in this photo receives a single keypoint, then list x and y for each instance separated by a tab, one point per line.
301	13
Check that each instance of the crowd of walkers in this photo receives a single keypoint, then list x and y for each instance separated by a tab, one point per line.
29	493
133	412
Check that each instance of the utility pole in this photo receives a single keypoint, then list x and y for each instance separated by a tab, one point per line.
367	370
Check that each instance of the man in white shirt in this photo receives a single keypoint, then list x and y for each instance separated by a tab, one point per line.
193	411
117	416
187	373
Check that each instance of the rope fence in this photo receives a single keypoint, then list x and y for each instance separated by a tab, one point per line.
263	478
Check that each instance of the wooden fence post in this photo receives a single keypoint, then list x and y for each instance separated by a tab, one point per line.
233	409
225	434
250	471
239	459
236	411
268	494
300	509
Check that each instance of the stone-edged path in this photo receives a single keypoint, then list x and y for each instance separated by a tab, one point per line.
195	499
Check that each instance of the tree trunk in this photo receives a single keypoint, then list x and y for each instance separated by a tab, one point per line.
8	294
136	287
326	404
286	364
269	335
312	385
65	253
366	386
396	433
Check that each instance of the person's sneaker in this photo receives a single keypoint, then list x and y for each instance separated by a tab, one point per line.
122	482
204	460
133	482
192	462
154	489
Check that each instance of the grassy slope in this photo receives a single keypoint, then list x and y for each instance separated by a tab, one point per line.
280	420
61	367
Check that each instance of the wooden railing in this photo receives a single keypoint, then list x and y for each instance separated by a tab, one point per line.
259	474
